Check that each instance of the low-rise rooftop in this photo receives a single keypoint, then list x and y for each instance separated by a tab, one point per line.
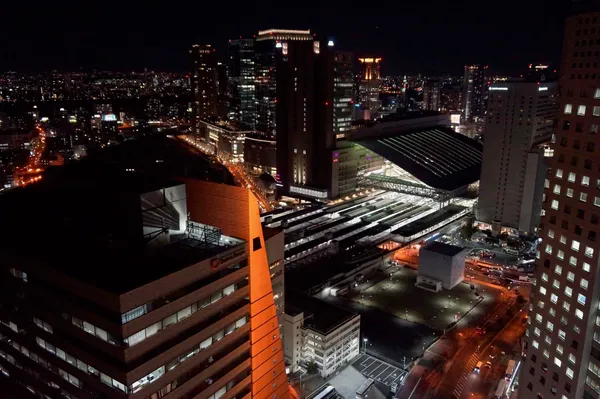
441	248
320	316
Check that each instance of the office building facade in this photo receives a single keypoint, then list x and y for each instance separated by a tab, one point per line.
305	109
369	84
474	92
268	45
343	91
316	331
520	119
562	340
242	90
175	298
203	83
431	95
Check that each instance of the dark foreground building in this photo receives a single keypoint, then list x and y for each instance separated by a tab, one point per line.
139	287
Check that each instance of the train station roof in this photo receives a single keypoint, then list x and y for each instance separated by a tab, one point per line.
436	156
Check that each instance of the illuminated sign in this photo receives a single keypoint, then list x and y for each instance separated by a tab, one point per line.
499	88
370	60
455	119
109	118
542	88
330	43
278	45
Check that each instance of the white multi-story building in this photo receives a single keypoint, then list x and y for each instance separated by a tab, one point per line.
520	117
318	331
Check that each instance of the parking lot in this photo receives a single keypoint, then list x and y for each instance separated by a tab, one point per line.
379	371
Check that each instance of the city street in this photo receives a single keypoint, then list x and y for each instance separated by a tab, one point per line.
238	173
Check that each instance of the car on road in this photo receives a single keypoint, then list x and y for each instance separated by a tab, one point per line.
492	355
477	367
488	364
480	330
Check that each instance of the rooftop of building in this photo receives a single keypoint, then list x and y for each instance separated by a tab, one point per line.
312	276
103	225
164	155
319	315
435	155
442	248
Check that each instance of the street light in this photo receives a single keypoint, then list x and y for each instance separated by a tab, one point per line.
365	341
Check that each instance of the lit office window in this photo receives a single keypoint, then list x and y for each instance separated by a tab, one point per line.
570	374
569	291
554	205
579	314
558	269
572	177
585	181
589	252
548	249
584	284
568	109
581	299
557	361
581	110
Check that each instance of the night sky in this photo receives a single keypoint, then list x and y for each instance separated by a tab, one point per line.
411	36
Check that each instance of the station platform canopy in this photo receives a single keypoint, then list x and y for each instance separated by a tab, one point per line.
437	156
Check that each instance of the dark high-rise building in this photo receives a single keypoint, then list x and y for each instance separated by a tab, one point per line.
146	288
431	95
343	90
305	87
474	91
562	349
222	90
267	45
242	90
203	83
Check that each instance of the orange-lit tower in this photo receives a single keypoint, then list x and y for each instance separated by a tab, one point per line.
235	211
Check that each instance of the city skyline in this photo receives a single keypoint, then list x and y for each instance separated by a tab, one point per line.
408	38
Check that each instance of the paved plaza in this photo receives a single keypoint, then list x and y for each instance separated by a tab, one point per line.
398	296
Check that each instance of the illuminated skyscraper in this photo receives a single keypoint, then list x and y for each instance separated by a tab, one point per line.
343	90
520	119
368	90
174	299
474	91
562	340
203	83
305	109
431	95
267	45
242	90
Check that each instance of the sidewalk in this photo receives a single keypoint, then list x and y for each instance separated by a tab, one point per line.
417	382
